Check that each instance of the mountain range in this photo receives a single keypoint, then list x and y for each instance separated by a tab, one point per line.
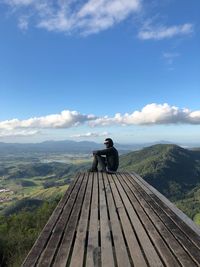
67	146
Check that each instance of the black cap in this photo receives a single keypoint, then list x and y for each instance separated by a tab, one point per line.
109	141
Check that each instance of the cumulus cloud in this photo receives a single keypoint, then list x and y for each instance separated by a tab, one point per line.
90	134
68	15
152	114
18	133
65	119
164	32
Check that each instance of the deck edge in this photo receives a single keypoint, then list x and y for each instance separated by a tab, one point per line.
172	206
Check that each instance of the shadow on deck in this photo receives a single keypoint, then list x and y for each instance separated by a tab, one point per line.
115	220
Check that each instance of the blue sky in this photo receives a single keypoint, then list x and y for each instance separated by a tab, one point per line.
68	67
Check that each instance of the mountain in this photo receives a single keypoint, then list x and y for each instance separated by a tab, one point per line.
173	170
66	146
42	169
48	147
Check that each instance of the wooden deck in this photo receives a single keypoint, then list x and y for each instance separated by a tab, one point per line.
115	221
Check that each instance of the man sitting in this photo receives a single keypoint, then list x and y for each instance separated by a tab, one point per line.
108	158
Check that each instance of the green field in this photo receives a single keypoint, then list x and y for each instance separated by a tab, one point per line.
37	176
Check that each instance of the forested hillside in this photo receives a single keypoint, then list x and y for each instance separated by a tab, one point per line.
19	230
173	170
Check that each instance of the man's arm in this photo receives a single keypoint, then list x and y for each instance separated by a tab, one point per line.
101	152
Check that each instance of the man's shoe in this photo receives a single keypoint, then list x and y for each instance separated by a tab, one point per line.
93	170
111	172
103	171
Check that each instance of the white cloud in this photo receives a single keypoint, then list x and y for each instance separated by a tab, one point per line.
89	16
152	114
90	134
97	15
18	133
163	32
65	119
70	15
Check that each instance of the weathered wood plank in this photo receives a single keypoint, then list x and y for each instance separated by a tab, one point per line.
136	253
119	243
77	258
44	236
93	249
163	250
107	257
146	244
192	250
53	243
177	211
181	255
180	223
63	253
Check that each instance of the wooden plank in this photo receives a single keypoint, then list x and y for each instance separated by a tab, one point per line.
170	240
44	236
177	211
119	243
192	250
182	221
77	258
51	247
146	244
93	249
131	239
191	236
163	250
107	257
194	238
63	253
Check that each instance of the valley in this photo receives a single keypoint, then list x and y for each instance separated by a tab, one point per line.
39	176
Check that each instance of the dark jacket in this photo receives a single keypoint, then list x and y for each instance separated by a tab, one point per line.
112	157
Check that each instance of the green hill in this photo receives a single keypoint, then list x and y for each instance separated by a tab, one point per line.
41	169
23	204
173	170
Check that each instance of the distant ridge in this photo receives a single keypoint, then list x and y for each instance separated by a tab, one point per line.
65	146
173	170
73	147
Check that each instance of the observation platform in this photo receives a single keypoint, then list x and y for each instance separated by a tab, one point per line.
116	220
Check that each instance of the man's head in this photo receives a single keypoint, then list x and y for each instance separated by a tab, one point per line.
108	142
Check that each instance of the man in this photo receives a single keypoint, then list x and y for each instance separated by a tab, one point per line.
108	158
